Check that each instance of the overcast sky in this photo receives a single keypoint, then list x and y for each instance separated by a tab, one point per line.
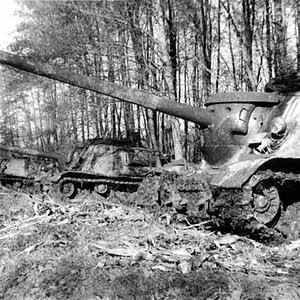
8	22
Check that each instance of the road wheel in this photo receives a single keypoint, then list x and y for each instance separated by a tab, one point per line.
266	204
17	184
102	189
68	189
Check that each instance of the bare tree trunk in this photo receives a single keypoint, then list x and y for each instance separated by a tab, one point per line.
247	41
280	50
218	46
195	74
298	34
206	43
82	121
74	114
54	118
28	121
95	114
161	37
125	80
113	114
41	127
268	39
142	74
113	105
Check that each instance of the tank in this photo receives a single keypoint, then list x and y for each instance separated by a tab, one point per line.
27	168
250	173
103	165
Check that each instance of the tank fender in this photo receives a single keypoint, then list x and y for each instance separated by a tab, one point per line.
236	174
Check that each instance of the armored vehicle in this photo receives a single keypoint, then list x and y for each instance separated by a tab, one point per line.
99	165
251	149
103	165
25	168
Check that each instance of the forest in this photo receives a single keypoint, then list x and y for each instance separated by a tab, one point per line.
184	50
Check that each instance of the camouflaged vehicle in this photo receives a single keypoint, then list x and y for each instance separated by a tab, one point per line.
24	168
103	165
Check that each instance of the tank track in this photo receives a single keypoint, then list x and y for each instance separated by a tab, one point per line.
91	183
232	210
81	181
16	181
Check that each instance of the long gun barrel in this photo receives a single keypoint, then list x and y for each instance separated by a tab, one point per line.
31	152
199	116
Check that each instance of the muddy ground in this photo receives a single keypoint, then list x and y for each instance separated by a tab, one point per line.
96	248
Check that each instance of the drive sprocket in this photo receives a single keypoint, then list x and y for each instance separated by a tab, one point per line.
263	194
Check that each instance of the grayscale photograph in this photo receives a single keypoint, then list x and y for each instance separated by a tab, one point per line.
149	150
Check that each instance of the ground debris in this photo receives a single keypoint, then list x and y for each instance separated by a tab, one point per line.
92	249
128	251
